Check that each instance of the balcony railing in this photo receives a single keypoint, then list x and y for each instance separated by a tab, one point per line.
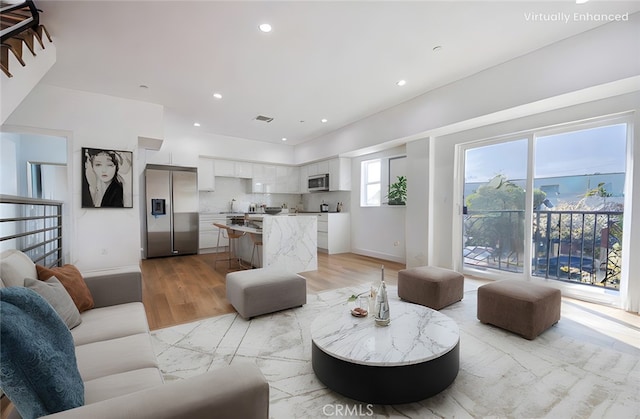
572	246
33	226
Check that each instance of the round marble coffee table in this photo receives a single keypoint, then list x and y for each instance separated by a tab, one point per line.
416	356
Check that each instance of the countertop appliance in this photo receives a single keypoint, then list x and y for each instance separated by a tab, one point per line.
172	210
318	183
324	207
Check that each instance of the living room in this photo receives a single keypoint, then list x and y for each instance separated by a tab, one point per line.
575	79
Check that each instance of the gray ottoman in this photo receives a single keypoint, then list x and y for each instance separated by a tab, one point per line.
521	307
430	286
260	291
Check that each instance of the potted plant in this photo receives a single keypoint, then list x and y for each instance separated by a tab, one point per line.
398	192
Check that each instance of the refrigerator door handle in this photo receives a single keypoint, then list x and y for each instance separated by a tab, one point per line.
171	221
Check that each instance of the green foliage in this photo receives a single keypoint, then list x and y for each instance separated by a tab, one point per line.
599	191
398	192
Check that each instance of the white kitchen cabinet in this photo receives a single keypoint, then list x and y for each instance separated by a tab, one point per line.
340	174
209	233
206	174
293	180
287	179
304	179
318	168
334	232
232	168
264	178
269	178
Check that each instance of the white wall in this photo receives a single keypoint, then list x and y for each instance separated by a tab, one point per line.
9	149
606	54
101	237
418	211
375	230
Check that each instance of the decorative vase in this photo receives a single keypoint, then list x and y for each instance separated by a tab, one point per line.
381	311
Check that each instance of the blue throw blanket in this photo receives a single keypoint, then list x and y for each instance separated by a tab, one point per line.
38	368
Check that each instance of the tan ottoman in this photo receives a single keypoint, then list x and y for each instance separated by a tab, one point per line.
521	307
430	286
260	291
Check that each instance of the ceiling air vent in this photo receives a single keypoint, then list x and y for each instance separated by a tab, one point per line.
263	118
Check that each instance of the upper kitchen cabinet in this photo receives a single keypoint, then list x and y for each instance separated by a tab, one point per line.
264	178
319	168
230	168
206	174
269	178
340	174
304	179
287	179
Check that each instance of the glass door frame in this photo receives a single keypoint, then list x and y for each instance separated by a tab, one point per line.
609	297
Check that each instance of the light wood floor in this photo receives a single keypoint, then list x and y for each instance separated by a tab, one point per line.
182	289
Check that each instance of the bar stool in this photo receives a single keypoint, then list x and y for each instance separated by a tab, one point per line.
232	235
257	241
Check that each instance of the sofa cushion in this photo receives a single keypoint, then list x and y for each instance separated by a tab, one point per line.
100	359
110	322
39	371
15	266
115	385
73	282
56	295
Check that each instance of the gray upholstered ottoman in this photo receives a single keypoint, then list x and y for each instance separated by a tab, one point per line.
430	286
521	307
260	291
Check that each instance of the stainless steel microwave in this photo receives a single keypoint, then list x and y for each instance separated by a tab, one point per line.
318	183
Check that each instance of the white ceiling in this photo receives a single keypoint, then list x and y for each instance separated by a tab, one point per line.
335	60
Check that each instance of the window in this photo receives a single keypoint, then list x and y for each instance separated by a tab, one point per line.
560	220
370	184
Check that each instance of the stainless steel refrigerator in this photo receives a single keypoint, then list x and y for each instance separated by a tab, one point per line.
172	210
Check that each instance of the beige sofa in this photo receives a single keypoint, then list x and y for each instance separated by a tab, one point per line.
119	368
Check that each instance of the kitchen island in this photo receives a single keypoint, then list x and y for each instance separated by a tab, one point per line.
288	242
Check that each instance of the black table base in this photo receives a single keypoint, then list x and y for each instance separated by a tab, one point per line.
386	384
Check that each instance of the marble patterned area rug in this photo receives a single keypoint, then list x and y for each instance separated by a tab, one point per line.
587	365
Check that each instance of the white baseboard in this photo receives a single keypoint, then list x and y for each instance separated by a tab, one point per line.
378	255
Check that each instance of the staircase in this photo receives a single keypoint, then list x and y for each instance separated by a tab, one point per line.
26	52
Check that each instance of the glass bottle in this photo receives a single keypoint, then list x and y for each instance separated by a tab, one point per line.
381	313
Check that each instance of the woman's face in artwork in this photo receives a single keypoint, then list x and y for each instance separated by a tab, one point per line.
104	167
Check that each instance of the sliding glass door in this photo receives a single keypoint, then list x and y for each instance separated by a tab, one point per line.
494	199
577	228
569	226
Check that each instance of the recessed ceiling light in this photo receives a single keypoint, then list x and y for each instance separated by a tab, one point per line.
196	124
581	1
401	82
437	48
217	95
265	27
284	139
323	120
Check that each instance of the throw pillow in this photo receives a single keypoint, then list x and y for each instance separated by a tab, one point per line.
56	295
38	367
73	282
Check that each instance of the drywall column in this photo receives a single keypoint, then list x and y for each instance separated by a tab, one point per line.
417	231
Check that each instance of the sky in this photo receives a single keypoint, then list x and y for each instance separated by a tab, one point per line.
589	151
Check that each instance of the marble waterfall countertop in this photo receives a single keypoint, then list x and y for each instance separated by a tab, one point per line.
289	243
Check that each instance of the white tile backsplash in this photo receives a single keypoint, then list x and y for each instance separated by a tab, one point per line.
240	190
312	201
